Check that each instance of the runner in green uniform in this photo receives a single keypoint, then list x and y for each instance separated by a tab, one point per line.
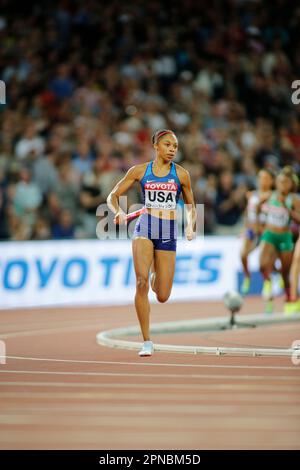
277	238
293	305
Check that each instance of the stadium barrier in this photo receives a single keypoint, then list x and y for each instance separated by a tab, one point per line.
94	272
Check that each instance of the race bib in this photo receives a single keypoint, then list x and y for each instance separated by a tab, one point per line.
278	216
160	195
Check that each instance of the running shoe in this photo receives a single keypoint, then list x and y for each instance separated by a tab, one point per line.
267	291
245	286
291	307
281	282
269	307
147	350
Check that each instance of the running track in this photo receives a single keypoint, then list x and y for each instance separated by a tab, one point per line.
60	390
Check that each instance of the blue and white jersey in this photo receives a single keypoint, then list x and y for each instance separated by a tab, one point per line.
160	192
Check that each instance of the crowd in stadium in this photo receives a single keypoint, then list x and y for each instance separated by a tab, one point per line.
89	82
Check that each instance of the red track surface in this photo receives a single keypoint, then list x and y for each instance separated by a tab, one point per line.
168	401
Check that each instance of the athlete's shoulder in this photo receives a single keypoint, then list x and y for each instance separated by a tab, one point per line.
181	170
182	173
137	171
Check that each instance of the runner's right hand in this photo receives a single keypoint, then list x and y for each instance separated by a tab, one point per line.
120	218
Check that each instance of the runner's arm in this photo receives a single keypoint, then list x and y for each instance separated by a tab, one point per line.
295	210
121	187
189	202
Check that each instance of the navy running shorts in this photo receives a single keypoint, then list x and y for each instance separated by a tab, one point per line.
162	232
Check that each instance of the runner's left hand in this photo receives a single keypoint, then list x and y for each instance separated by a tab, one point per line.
189	233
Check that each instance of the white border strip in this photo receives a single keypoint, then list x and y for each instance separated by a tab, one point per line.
109	338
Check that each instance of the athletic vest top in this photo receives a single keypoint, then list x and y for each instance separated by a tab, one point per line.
160	192
277	214
253	202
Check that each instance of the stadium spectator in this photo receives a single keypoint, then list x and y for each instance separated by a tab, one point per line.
87	84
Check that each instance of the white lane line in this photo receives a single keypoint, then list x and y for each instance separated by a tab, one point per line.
159	364
280	388
161	376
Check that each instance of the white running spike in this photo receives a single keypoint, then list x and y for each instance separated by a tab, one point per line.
147	349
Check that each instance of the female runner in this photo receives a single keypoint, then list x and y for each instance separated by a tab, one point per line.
155	235
254	222
277	238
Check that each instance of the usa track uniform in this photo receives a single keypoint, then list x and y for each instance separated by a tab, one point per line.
159	193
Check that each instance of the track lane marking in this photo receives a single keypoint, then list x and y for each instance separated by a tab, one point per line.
148	364
142	375
257	388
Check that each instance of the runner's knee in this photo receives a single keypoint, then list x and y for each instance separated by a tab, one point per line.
264	266
142	284
162	297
